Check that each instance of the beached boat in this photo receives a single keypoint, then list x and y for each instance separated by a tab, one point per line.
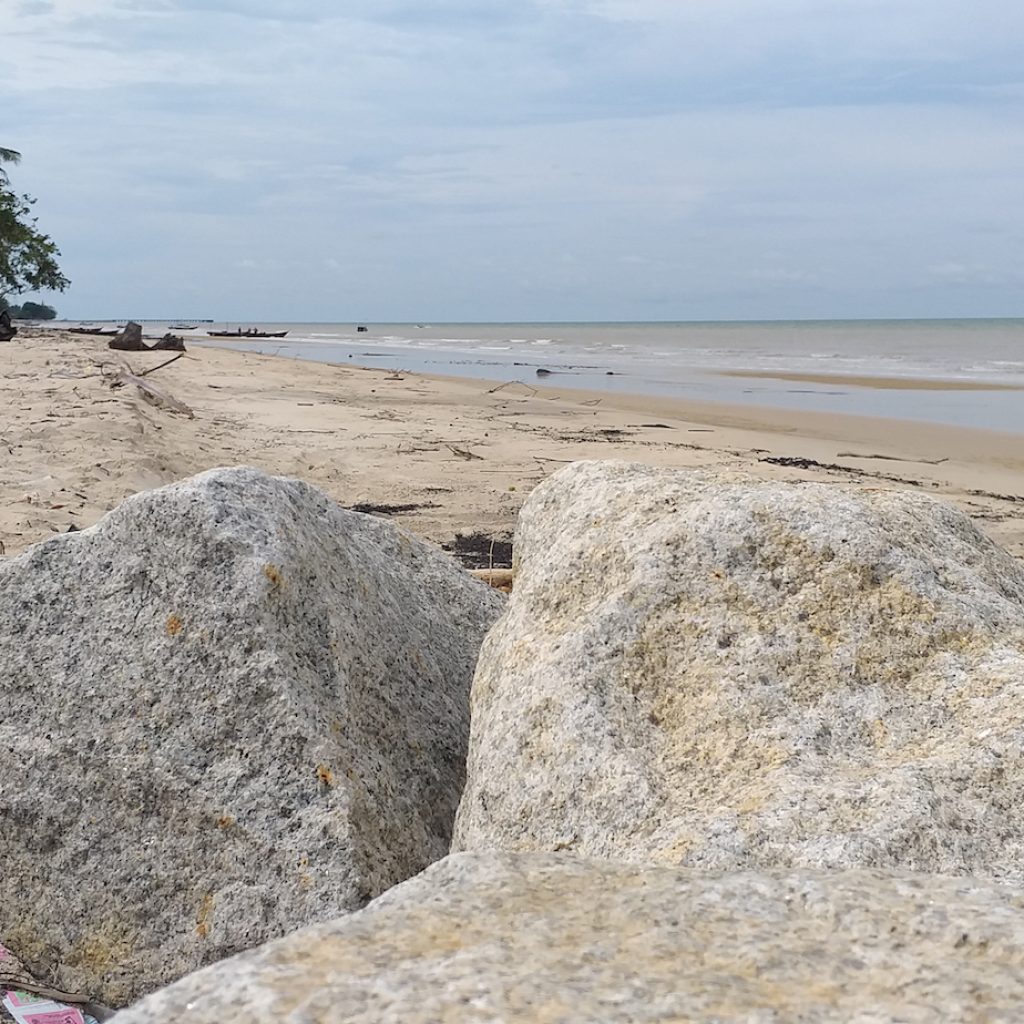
183	327
97	331
251	333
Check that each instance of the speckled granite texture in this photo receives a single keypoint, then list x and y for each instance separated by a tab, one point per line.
544	938
230	709
726	675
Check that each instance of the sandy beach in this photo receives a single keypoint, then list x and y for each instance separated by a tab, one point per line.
444	457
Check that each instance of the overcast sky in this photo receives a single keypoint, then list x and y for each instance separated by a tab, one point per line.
523	159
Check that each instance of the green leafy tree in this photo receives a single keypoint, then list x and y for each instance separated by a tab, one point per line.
28	258
31	310
8	156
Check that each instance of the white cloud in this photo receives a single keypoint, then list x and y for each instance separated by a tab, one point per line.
731	154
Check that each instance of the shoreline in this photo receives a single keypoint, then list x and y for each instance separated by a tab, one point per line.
922	399
925	439
444	455
877	383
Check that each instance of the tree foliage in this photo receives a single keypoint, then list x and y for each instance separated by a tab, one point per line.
29	310
8	156
28	258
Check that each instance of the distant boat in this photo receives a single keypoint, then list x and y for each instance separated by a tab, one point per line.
98	331
361	328
183	327
250	333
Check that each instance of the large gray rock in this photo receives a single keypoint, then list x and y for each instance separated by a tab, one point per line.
230	709
728	674
543	937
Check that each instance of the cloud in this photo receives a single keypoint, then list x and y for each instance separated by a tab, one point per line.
742	158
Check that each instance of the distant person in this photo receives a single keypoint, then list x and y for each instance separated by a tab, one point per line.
7	329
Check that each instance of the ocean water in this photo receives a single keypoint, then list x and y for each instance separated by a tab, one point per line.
693	360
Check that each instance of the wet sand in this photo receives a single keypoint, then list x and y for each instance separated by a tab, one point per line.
884	383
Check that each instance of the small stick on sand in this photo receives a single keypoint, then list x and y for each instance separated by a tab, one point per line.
532	391
463	453
889	458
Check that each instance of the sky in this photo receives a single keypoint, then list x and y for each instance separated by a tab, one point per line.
497	160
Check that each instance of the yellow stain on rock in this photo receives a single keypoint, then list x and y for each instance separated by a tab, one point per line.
204	915
175	624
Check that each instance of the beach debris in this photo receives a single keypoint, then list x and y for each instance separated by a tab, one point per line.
160	366
217	667
510	383
407	448
7	329
129	339
26	1000
664	943
169	343
463	453
368	508
548	458
889	458
798	462
760	675
478	550
153	394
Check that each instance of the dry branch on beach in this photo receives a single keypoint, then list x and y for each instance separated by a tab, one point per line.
150	392
156	395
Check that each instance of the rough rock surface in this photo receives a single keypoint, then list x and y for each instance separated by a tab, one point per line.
544	938
230	709
751	674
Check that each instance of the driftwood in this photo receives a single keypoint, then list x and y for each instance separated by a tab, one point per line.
153	394
463	453
889	458
129	340
499	387
169	343
7	329
160	366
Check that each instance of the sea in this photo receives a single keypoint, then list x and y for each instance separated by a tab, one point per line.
696	361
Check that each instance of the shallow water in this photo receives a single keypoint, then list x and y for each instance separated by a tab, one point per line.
688	360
